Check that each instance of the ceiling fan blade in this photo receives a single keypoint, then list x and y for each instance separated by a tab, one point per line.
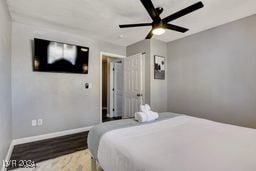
176	28
151	9
150	34
183	12
135	25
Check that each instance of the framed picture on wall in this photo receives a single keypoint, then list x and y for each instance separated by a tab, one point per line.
159	67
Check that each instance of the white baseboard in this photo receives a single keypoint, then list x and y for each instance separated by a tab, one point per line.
51	135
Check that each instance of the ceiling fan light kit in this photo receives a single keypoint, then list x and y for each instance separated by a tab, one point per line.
159	25
158	31
158	28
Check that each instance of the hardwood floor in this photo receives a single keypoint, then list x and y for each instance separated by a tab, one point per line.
106	119
111	119
48	149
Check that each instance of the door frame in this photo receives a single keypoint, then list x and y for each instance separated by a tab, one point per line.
101	57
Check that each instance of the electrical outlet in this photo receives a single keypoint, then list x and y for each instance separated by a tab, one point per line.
40	122
34	123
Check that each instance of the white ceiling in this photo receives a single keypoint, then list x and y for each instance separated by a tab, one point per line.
99	19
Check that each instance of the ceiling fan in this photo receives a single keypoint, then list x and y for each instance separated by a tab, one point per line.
159	25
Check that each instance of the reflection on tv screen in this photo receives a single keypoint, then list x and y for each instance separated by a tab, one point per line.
51	56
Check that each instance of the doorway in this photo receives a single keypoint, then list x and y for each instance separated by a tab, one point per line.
112	88
122	85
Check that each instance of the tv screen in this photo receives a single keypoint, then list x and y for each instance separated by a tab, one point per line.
51	56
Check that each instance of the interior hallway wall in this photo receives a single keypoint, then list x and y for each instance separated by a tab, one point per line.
104	83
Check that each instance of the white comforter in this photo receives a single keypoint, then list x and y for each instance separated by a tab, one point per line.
179	144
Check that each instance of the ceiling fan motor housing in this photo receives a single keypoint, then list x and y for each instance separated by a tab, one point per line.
159	10
159	24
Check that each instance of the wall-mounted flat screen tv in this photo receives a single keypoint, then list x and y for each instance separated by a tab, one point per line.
52	56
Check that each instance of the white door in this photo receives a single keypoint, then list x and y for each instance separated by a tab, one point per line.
118	89
133	84
111	89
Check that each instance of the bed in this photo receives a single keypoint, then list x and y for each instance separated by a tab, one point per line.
172	143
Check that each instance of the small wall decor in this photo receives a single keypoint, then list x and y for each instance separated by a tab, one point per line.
159	67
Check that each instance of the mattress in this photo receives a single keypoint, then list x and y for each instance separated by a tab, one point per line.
181	143
99	130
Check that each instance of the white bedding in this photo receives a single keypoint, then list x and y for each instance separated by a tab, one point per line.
182	143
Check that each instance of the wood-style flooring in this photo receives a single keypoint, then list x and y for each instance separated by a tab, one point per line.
106	119
48	149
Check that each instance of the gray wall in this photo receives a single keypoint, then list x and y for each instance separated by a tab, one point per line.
212	74
5	80
59	99
158	87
